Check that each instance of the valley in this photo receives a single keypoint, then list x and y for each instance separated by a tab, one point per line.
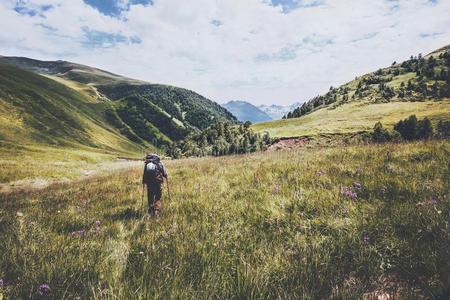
297	208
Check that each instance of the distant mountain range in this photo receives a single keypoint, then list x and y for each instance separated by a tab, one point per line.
277	112
245	111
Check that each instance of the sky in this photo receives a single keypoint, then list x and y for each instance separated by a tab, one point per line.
261	51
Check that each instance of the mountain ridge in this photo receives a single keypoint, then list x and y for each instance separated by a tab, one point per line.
245	111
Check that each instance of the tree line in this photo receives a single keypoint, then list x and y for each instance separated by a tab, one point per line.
221	138
411	129
431	80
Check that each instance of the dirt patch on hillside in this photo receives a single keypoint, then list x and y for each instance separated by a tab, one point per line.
288	143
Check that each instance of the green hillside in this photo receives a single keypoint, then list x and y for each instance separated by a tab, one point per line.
174	111
154	113
37	110
59	120
68	70
420	85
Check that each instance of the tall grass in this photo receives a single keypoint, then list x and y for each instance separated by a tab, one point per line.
267	225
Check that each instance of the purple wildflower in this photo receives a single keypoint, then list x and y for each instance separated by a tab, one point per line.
347	192
97	227
383	190
366	239
1	282
78	233
44	289
432	201
357	185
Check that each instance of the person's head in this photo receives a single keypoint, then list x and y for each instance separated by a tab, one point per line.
152	157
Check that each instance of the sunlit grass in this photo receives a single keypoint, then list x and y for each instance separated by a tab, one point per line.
353	117
51	163
267	225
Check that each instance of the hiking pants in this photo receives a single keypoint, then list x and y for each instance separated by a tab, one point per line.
154	193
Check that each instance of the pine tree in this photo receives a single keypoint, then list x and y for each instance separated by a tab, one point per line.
435	90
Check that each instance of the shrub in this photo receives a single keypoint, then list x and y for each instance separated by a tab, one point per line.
380	134
424	129
443	129
407	128
413	129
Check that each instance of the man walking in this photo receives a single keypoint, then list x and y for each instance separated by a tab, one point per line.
153	178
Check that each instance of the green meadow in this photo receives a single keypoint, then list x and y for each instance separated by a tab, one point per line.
338	222
353	117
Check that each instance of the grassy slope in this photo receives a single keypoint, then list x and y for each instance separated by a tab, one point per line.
63	110
360	114
277	226
48	124
38	110
24	166
68	70
187	108
353	117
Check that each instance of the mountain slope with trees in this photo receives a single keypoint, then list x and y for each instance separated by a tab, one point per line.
417	79
37	110
420	85
142	114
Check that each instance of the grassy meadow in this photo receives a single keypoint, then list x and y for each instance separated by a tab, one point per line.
24	165
354	116
336	222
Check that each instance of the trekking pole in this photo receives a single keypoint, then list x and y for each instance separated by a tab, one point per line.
168	189
142	198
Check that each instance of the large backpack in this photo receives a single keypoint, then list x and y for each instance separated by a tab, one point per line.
153	172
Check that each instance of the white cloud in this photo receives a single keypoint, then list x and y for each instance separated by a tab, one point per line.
258	53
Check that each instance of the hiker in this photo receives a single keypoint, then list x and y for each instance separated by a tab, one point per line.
153	178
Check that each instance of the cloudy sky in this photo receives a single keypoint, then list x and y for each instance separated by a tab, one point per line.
263	51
